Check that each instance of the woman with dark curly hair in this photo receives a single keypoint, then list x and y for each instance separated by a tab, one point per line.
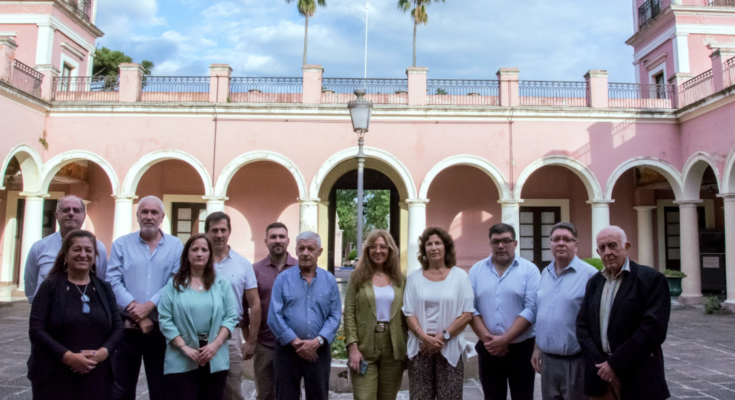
74	327
438	304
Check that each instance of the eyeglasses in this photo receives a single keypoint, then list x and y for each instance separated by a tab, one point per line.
381	248
557	239
506	241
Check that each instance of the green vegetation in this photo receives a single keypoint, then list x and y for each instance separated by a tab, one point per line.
670	273
352	256
440	91
712	304
107	63
376	209
595	262
307	8
339	347
418	15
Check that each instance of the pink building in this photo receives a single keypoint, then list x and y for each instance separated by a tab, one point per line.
656	157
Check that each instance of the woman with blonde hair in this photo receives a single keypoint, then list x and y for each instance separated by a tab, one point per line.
375	329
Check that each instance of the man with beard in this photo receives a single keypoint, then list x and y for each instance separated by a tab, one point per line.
622	324
70	215
266	272
505	287
238	270
140	265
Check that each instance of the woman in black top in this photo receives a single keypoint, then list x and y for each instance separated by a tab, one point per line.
74	327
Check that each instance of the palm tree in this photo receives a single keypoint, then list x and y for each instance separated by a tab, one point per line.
307	8
418	15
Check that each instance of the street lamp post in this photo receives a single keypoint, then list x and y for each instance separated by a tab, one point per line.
360	112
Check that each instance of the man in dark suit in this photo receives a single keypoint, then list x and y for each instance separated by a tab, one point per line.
621	325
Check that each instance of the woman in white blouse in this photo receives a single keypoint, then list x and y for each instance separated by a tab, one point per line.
438	304
375	330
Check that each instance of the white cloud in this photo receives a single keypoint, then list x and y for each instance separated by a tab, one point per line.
558	40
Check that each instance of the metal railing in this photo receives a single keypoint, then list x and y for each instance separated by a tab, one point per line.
87	88
637	95
553	93
82	8
722	3
266	90
473	92
174	89
648	11
379	91
696	88
26	79
728	72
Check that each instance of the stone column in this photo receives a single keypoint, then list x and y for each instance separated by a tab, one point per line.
7	57
417	95
689	249
511	215
123	222
312	84
718	57
416	226
597	92
130	80
677	79
219	83
215	204
32	229
645	235
600	220
309	216
508	92
45	44
729	200
47	85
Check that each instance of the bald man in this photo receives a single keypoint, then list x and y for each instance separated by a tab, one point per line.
621	325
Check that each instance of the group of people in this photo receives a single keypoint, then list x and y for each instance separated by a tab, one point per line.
184	310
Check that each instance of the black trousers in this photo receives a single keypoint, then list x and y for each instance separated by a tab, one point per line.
63	384
513	369
151	347
290	369
198	384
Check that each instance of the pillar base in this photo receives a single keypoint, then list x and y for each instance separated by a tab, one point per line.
675	305
691	300
729	305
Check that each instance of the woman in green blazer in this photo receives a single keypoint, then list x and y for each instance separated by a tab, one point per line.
197	314
375	329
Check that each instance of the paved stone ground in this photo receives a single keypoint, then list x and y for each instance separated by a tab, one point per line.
700	357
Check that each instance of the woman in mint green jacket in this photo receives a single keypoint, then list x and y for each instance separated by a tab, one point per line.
197	314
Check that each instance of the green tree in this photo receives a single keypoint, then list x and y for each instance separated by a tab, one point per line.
107	62
307	8
376	211
418	15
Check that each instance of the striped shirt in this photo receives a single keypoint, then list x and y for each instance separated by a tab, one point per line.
609	291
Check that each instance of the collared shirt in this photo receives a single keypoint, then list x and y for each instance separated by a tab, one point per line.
609	291
558	301
266	273
302	310
500	300
238	270
137	275
41	259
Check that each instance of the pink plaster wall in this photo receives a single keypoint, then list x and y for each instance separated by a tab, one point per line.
27	37
101	209
559	183
167	177
711	133
57	51
259	194
666	48
622	213
464	201
19	124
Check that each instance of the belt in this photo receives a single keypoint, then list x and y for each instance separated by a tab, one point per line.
203	340
382	326
565	357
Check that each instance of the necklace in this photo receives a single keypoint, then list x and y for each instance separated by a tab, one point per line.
380	273
201	286
85	299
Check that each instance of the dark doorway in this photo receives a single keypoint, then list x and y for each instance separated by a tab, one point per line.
536	224
672	232
373	180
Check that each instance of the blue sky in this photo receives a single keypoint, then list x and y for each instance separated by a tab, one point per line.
547	40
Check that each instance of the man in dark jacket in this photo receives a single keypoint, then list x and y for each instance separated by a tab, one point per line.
621	325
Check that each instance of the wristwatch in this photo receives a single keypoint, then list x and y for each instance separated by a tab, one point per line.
321	341
447	336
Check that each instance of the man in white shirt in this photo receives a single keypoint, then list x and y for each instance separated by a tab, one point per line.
505	287
238	270
70	215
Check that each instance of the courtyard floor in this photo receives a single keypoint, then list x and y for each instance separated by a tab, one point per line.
700	357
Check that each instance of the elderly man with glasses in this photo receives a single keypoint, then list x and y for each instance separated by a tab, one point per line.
557	355
505	287
70	215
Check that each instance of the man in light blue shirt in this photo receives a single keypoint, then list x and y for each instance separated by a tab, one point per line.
70	215
304	315
558	355
505	287
140	265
